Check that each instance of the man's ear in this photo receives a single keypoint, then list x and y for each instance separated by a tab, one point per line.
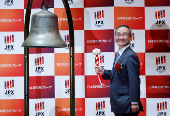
130	37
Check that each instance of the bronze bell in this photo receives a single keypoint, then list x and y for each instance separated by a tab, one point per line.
44	31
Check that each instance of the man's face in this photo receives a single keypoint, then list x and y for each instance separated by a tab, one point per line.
122	37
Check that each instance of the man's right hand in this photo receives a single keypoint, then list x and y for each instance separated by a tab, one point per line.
99	69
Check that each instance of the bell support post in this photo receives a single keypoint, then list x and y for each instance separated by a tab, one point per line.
26	59
72	66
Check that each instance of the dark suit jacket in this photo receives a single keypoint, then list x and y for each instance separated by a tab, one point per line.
124	87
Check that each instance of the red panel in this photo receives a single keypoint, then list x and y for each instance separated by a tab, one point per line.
14	65
101	39
47	87
93	89
16	106
143	101
62	107
77	15
157	86
157	3
142	63
98	3
137	15
14	20
37	3
157	40
62	64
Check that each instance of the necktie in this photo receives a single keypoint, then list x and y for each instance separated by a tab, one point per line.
117	57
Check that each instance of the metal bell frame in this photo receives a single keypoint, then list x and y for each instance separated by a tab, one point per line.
71	56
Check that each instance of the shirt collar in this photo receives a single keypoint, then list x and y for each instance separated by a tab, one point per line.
123	49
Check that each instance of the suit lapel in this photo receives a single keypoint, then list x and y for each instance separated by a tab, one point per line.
119	60
114	61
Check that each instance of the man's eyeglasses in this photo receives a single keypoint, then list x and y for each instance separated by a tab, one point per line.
123	35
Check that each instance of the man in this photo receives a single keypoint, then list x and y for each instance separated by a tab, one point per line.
124	76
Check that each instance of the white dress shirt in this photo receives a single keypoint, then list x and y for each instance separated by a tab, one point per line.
122	50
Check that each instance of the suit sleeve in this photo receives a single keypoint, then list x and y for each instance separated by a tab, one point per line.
133	66
107	74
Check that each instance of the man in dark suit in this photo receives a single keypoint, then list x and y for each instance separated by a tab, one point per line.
124	76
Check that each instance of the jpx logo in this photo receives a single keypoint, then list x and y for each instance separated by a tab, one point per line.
70	2
8	2
162	108
129	1
67	84
99	18
38	63
99	60
160	61
67	38
38	108
100	108
9	40
132	44
160	16
9	87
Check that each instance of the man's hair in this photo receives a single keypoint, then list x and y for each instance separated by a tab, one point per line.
130	30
